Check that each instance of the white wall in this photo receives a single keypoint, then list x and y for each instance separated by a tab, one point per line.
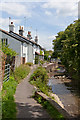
30	53
14	44
25	51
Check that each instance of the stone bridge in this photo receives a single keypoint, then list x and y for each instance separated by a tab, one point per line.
50	67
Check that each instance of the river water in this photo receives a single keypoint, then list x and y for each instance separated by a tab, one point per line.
69	100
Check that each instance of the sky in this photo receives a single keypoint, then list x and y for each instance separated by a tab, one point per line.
42	17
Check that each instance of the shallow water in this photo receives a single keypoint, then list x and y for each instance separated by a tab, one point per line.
70	101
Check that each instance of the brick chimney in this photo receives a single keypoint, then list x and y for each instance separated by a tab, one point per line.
11	27
21	31
29	35
36	39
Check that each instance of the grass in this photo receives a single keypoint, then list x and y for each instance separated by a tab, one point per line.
21	72
29	63
53	112
8	104
40	78
8	91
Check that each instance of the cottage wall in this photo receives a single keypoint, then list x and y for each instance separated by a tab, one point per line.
15	45
30	54
25	51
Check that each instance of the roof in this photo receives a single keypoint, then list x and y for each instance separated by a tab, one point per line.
20	38
14	36
39	54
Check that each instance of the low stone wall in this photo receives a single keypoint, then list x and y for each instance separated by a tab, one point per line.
56	105
51	66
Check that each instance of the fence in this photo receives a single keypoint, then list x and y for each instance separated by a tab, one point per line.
6	72
0	75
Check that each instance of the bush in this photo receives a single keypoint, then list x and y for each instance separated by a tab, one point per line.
41	62
40	73
29	63
40	78
36	59
8	104
8	91
21	72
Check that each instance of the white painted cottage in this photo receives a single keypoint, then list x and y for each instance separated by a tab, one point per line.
26	48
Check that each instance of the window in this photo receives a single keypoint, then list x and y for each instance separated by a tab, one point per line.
5	41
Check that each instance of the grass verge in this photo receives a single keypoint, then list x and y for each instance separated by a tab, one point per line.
53	112
8	91
40	78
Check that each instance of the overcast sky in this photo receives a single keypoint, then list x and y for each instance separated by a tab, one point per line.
48	17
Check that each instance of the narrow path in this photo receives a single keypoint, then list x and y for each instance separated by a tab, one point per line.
70	102
27	107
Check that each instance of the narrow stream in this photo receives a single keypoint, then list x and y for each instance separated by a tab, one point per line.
70	101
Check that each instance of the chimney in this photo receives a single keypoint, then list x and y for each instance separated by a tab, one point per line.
21	31
29	35
11	27
36	39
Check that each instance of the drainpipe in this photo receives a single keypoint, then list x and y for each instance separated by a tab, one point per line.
22	51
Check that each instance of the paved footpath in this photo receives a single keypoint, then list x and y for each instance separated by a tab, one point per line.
27	107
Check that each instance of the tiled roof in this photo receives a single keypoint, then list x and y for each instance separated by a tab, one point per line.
13	35
39	53
20	38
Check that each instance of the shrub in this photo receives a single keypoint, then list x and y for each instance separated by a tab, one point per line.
41	62
29	63
8	104
21	72
36	59
41	73
40	78
8	91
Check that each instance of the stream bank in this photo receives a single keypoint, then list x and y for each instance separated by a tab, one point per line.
66	94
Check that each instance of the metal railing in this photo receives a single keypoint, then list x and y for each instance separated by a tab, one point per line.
6	72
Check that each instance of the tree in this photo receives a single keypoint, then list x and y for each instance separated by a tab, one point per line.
67	47
47	53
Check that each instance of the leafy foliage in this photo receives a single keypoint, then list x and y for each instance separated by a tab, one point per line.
53	112
8	91
41	52
8	51
8	104
29	63
41	62
67	47
21	72
40	78
36	59
40	73
47	53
